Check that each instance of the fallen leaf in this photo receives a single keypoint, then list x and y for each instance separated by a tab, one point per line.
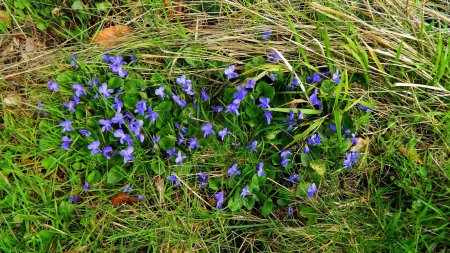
5	19
111	36
410	154
123	198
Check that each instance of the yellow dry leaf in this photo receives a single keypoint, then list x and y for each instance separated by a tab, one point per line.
111	36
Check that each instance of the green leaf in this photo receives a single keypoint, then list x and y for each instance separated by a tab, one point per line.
265	90
155	165
327	87
267	208
252	111
257	61
319	167
163	106
41	25
134	84
158	78
299	137
249	202
45	237
94	177
213	184
6	202
167	142
306	159
115	175
236	203
67	78
44	126
310	213
115	82
49	162
66	208
130	99
103	6
78	5
302	189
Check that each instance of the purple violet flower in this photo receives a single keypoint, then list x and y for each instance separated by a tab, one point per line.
74	199
350	158
274	56
365	108
216	108
294	178
252	146
266	34
141	107
290	211
311	190
118	119
207	129
103	90
264	103
152	115
205	95
268	117
220	199
107	152
171	152
174	179
160	92
250	84
123	137
260	170
66	140
86	186
93	147
353	139
127	188
230	72
306	150
193	143
79	90
272	77
222	133
233	108
314	78
127	154
106	124
84	132
315	100
179	159
333	127
118	105
240	95
245	192
67	126
336	77
71	105
314	140
179	101
233	170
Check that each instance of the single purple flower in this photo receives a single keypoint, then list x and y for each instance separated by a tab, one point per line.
152	115
300	115
187	88
250	84
41	107
216	108
127	188
311	190
74	64
230	72
202	176
107	152
245	192
336	77
252	146
233	170
53	86
133	58
127	154
274	56
74	199
272	77
118	104
141	107
71	105
285	153
260	170
179	101
103	90
314	78
350	158
181	139
365	108
93	147
118	119
315	100
290	211
205	95
314	140
182	80
160	92
294	178
74	56
333	127
220	199
233	108
193	143
306	150
79	90
86	186
156	138
174	179
135	127
66	140
179	159
266	34
106	124
207	129
264	103
353	139
123	137
67	126
171	152
240	95
222	133
268	117
84	132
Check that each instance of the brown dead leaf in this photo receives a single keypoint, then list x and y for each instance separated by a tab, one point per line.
159	182
5	19
410	154
111	36
123	198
